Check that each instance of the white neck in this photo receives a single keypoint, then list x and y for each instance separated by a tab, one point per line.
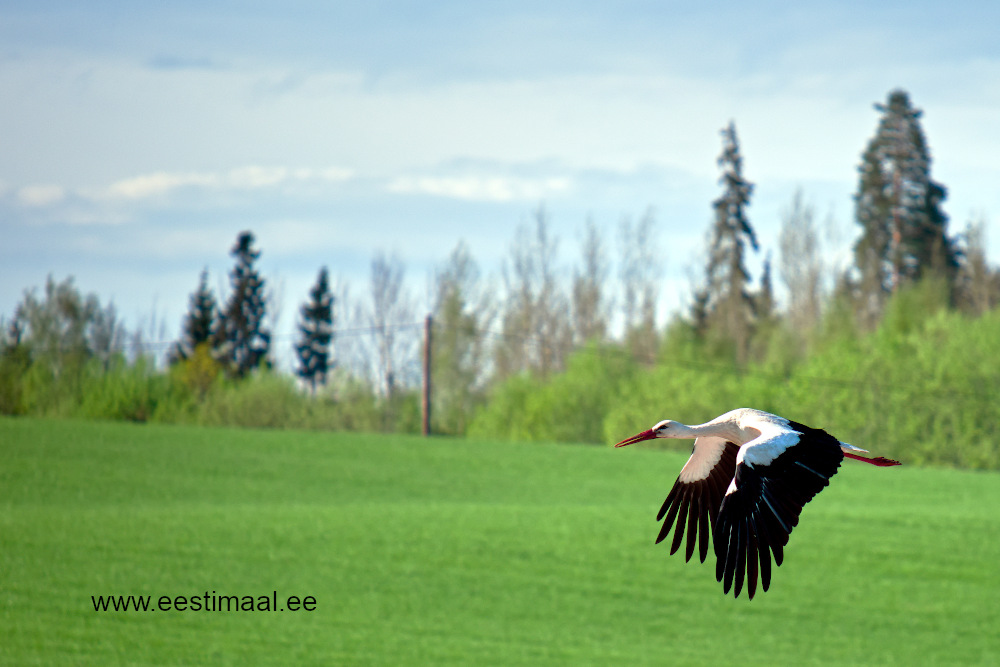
729	430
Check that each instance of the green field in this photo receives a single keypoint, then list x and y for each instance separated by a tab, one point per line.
461	552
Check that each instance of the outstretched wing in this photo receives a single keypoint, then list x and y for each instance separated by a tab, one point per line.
697	494
777	475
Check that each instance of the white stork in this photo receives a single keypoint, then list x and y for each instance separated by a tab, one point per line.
749	475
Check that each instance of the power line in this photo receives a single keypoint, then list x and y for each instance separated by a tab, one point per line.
730	370
610	349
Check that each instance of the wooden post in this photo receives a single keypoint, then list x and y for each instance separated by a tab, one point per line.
426	403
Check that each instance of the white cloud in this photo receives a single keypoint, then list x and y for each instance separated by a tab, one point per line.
41	195
248	177
158	183
334	174
481	188
253	177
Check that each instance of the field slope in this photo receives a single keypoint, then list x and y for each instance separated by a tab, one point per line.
460	552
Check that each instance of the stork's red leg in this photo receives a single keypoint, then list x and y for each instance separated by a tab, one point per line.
878	461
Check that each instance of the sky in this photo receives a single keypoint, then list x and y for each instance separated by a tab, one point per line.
140	138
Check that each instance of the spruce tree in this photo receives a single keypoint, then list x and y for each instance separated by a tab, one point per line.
316	333
199	323
898	206
246	341
726	305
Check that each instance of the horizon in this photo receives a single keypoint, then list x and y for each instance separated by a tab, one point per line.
145	138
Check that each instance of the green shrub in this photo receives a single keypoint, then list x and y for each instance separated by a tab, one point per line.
14	363
504	414
570	407
263	400
122	391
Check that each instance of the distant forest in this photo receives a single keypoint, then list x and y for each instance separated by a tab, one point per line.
899	351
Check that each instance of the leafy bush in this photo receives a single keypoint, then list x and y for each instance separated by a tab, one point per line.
923	392
570	407
504	414
921	389
14	363
122	391
345	405
264	400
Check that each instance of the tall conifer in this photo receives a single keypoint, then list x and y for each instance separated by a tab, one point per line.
898	206
726	305
247	341
316	333
199	323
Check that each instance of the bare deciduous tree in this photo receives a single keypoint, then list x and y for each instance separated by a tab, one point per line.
390	307
978	283
639	272
462	311
107	334
801	264
65	328
590	302
536	331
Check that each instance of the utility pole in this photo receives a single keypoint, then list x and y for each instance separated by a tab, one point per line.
896	250
426	394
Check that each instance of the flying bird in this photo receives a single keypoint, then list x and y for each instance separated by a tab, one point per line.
749	475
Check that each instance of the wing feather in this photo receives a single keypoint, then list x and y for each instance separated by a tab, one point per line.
751	560
694	513
669	521
758	513
681	519
695	498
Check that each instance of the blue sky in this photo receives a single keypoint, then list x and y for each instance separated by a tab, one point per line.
140	138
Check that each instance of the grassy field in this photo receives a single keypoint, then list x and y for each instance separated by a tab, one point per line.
461	552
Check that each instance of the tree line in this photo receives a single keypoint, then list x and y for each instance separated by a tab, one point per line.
495	337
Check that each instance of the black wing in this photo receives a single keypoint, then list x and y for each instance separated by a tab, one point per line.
697	494
762	507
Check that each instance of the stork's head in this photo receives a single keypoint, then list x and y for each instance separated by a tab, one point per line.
665	429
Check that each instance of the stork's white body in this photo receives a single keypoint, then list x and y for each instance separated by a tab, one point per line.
749	474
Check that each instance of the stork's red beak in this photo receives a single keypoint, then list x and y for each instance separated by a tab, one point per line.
638	437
